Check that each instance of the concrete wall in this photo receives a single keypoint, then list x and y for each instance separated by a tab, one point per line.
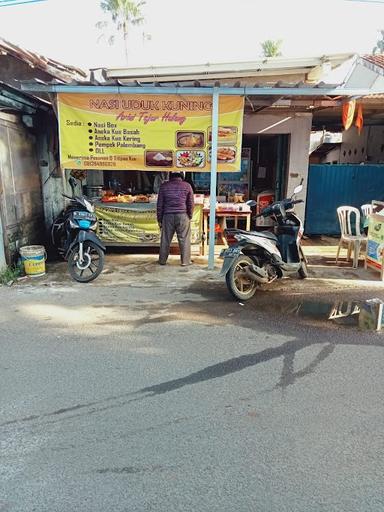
21	206
298	126
355	149
375	144
52	177
2	247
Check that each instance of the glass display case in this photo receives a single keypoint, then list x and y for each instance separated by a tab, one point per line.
235	185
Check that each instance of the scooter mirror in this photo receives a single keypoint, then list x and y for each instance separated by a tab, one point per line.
72	184
297	189
251	202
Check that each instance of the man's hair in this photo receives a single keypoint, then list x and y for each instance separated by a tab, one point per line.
175	175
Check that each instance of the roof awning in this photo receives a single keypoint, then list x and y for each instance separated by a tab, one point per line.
305	91
269	77
267	84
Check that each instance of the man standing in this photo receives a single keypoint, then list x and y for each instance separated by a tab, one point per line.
174	214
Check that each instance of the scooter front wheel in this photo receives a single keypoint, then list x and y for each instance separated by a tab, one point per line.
91	266
239	285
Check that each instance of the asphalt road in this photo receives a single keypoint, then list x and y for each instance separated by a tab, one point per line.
167	396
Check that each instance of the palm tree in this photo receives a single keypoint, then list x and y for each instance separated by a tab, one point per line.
124	13
272	48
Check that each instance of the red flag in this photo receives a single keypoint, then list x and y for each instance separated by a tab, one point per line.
359	118
348	113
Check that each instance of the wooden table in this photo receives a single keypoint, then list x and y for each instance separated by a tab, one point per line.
222	216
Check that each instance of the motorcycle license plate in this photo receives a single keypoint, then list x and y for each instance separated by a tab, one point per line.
230	252
229	255
84	215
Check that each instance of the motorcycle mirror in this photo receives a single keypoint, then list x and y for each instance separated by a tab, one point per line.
72	184
251	202
297	189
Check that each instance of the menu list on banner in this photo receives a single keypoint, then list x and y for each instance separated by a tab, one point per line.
149	132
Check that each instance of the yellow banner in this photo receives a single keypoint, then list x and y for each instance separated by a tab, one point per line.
128	225
149	132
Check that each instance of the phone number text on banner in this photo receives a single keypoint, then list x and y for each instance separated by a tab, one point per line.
149	132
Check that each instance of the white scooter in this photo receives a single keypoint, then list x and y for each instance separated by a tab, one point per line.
260	257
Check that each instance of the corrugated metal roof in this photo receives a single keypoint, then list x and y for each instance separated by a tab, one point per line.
310	67
63	72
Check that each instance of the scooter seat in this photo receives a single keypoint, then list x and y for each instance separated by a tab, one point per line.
262	234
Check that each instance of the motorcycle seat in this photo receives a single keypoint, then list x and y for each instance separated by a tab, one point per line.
262	234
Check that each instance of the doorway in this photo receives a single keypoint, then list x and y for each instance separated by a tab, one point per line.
269	159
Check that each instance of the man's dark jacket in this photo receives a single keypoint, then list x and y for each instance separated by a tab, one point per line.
175	196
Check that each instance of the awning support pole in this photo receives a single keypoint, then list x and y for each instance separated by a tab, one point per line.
212	207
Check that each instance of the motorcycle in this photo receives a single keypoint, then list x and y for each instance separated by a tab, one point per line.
73	234
261	257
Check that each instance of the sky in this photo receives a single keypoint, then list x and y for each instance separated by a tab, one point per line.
194	31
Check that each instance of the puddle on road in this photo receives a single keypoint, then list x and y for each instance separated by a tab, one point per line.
367	315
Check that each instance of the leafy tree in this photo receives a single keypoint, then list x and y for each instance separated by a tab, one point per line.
124	13
272	48
379	48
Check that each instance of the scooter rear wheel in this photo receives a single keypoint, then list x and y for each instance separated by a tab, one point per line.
92	265
240	286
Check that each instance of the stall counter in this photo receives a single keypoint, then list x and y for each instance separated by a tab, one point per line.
135	224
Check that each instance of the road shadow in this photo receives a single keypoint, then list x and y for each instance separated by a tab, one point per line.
288	377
